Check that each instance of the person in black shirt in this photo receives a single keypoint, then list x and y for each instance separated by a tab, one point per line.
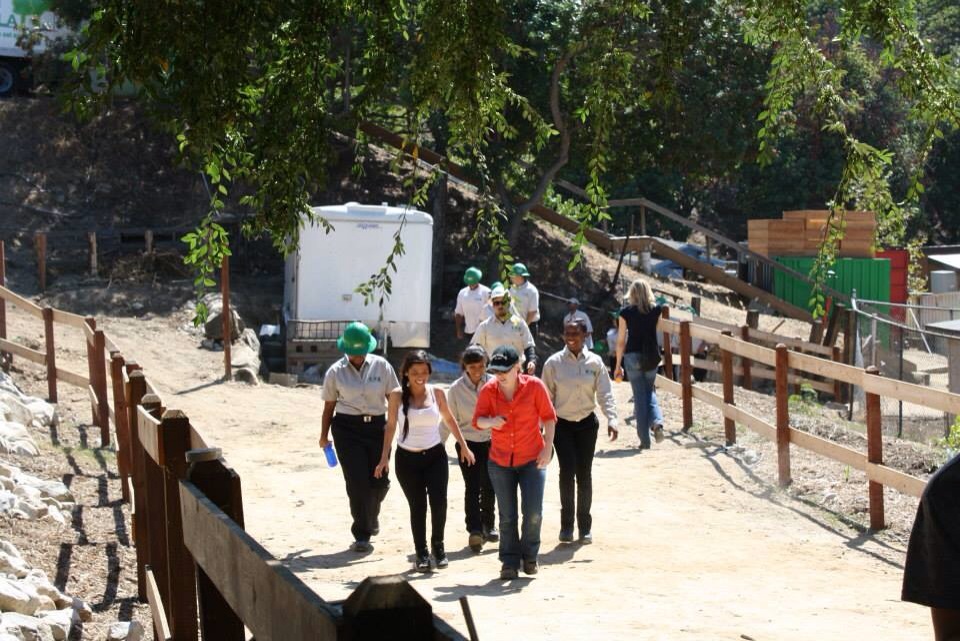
931	575
639	355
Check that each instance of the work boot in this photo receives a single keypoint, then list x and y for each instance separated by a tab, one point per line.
475	541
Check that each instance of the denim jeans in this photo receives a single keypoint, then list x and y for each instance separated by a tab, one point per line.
646	408
523	543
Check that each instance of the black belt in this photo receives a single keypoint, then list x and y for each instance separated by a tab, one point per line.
362	418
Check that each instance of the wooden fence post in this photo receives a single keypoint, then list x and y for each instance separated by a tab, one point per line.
221	485
92	241
5	358
686	374
667	347
875	453
227	320
135	389
155	519
40	247
747	380
174	437
91	373
837	388
100	386
729	427
148	241
816	332
50	339
783	417
123	428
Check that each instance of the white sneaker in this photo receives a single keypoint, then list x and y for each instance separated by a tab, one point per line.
658	433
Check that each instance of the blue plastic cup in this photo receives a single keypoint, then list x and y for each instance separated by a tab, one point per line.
331	455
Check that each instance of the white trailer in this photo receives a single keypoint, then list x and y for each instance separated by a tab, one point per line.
322	276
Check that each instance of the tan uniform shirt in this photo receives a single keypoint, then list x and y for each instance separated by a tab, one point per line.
527	298
362	392
462	400
576	385
492	333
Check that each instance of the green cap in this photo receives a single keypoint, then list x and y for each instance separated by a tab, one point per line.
495	284
519	269
472	276
356	340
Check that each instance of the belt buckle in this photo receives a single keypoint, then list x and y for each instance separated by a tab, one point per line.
367	418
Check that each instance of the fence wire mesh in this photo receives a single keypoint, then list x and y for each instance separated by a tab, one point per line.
898	341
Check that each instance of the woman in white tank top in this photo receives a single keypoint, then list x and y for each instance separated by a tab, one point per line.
421	464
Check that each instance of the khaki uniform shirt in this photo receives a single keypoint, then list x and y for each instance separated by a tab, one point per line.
492	333
362	392
527	299
577	383
462	400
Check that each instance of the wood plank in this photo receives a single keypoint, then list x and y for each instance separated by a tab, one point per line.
152	389
896	479
77	380
704	396
133	503
67	318
755	353
89	332
668	386
830	449
156	607
197	441
826	368
255	584
92	394
910	393
748	420
22	303
764	373
148	431
665	325
109	344
702	332
24	352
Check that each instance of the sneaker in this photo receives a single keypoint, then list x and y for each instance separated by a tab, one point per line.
422	564
440	556
361	546
507	573
376	528
586	538
566	535
530	567
491	535
658	433
475	541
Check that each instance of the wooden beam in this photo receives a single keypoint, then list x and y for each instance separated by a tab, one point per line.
161	629
66	318
826	368
686	374
783	417
755	353
729	427
148	432
31	355
747	381
911	393
669	386
251	581
49	339
875	452
71	378
134	390
21	303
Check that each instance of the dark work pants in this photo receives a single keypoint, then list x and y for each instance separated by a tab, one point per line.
359	447
479	501
422	475
575	442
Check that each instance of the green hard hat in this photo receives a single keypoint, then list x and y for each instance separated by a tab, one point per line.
472	276
519	269
495	284
356	340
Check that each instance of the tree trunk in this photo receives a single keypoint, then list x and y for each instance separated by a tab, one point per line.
439	211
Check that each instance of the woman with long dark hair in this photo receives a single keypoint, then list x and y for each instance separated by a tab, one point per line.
421	463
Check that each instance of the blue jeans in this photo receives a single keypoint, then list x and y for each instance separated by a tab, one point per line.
646	408
514	545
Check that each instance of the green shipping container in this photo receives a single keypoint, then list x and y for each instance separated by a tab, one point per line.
870	277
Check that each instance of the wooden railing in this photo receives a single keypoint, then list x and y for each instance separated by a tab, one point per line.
780	362
201	573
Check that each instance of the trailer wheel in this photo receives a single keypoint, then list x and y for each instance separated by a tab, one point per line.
8	79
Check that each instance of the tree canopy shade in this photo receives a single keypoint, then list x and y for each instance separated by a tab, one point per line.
521	92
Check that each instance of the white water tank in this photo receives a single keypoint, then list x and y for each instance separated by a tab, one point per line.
943	280
322	275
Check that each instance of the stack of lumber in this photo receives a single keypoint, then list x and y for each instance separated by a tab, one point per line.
800	233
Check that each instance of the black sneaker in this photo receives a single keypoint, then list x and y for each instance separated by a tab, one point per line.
422	564
440	556
491	535
566	535
507	573
361	546
530	567
475	541
586	538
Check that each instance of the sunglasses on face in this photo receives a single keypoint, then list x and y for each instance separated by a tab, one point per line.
498	303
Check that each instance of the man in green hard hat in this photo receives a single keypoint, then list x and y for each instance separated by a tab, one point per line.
471	302
361	399
526	298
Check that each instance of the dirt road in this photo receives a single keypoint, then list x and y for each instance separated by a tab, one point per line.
689	543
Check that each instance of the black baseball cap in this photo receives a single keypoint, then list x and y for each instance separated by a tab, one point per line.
503	359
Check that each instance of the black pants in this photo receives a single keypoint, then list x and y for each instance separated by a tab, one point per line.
479	500
359	447
575	442
422	475
535	329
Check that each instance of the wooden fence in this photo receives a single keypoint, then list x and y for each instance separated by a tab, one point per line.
817	369
201	573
